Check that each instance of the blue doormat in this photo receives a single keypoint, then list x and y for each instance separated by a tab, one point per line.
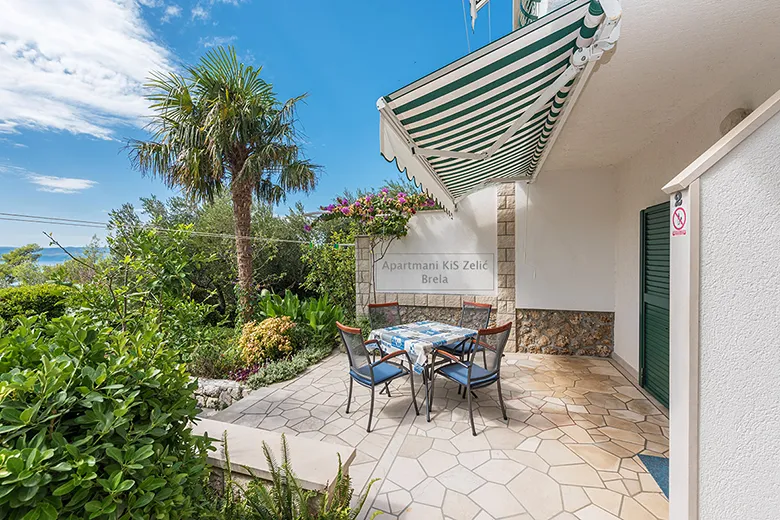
659	469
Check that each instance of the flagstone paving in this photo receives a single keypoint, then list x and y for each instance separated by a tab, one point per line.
568	451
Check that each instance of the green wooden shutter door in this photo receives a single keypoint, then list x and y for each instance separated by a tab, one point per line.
654	312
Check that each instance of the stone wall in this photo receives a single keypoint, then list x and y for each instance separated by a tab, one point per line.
449	315
579	333
505	240
217	394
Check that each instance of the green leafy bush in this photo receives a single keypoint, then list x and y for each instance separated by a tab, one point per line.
319	313
284	497
216	354
95	424
284	369
33	300
332	270
270	339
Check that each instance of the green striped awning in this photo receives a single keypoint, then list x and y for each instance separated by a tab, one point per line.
490	115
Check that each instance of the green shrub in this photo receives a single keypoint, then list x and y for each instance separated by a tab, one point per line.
96	424
215	354
332	270
33	300
319	313
270	339
284	497
284	369
271	305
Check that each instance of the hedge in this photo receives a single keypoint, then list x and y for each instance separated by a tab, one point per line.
96	424
33	300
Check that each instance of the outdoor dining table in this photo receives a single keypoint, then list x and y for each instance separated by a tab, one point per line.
419	339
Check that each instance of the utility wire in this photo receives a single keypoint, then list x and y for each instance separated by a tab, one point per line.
53	218
490	33
466	25
37	219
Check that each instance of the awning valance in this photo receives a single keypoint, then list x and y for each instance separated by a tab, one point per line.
490	115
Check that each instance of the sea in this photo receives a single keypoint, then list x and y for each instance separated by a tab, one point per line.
50	255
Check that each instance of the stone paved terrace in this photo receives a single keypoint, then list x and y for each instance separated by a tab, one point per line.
568	450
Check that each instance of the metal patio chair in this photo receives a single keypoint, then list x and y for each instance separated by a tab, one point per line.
382	315
469	373
372	374
472	316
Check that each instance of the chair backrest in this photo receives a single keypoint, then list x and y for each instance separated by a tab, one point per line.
356	347
383	315
475	315
490	347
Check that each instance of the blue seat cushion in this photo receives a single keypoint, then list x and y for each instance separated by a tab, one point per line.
382	372
461	348
460	374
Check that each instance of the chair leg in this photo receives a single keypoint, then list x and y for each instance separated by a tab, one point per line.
387	390
501	398
370	411
431	383
349	395
414	397
427	384
471	411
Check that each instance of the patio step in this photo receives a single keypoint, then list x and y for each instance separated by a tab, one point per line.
315	463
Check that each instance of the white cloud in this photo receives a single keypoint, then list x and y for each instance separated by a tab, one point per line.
60	184
202	10
172	11
199	13
216	41
76	66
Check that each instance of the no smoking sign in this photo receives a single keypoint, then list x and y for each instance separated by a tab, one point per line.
679	218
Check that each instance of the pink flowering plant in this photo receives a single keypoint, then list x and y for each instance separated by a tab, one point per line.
379	214
382	216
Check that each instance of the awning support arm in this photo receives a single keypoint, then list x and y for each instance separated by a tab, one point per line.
387	114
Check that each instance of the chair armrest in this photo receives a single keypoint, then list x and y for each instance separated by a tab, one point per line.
388	357
437	352
377	343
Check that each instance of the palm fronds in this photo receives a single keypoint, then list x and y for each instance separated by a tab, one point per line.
217	123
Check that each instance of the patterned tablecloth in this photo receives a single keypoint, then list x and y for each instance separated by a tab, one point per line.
419	338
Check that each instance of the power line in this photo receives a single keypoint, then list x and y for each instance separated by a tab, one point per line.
466	25
37	219
53	218
53	222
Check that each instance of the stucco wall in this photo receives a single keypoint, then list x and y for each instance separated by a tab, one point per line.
472	229
740	331
565	239
639	183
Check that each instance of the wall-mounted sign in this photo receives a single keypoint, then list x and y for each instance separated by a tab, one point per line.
679	216
436	273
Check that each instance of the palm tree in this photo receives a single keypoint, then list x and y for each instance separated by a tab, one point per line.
219	125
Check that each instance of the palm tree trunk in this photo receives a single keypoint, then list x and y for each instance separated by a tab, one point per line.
242	215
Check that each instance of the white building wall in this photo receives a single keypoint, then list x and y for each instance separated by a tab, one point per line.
740	331
639	183
434	234
565	240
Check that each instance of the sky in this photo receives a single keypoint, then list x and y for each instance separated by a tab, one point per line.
72	75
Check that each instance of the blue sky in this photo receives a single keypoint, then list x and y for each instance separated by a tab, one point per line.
71	75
